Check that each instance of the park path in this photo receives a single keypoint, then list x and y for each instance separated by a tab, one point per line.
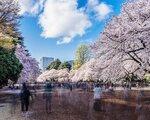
10	110
75	105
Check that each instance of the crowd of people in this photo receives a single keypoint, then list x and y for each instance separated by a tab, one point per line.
71	93
98	88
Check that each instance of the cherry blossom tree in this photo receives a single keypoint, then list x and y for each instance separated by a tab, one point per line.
31	69
124	45
47	75
63	75
56	75
90	71
72	73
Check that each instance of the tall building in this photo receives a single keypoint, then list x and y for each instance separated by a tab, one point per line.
45	61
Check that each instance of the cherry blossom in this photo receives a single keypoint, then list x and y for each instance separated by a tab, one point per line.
125	42
30	66
57	75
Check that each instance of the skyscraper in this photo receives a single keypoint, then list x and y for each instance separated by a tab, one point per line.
45	61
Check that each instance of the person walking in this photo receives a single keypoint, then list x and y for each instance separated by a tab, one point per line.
48	96
24	97
139	101
97	97
14	101
126	93
60	92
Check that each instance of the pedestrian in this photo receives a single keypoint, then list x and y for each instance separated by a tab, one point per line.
126	94
139	101
24	97
70	86
48	96
14	102
97	97
60	93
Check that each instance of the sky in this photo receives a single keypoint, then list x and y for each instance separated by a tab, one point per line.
54	28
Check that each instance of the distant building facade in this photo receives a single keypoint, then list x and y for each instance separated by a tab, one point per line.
45	61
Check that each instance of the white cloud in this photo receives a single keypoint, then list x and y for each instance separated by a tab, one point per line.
93	3
32	7
65	40
100	9
61	19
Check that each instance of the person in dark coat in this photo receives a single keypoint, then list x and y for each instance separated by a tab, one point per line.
24	97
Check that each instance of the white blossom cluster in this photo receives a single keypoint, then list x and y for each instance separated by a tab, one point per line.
123	47
125	43
57	75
